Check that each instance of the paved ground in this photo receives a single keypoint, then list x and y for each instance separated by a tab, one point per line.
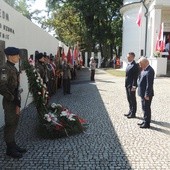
111	142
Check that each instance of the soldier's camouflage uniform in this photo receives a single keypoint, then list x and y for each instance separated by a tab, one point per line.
9	84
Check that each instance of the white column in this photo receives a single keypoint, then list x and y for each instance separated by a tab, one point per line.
86	59
156	22
92	54
99	59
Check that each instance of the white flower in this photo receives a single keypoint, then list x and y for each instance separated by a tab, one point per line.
49	119
58	105
63	113
66	110
53	105
71	119
52	115
39	93
55	119
71	114
46	115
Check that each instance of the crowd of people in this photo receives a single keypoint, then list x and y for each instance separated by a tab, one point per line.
138	76
55	74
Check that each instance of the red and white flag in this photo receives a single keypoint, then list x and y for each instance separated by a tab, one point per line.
57	56
160	43
63	55
69	56
75	52
139	17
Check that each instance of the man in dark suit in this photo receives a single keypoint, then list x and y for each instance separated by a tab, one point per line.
131	84
145	90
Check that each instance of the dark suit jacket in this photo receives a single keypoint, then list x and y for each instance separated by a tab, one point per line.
145	83
132	71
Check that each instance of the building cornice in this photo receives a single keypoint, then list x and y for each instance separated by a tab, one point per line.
134	5
129	6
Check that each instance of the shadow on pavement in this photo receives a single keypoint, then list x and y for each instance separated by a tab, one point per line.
98	148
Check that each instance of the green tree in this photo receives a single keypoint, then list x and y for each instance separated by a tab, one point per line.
23	6
66	21
12	2
100	23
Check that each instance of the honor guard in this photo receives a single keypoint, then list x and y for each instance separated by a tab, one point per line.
9	89
40	66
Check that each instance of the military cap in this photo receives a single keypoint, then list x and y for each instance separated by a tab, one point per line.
11	51
39	56
45	54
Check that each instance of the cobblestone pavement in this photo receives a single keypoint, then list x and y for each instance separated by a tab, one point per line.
111	141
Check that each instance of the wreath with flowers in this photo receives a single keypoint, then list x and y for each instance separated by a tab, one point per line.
55	120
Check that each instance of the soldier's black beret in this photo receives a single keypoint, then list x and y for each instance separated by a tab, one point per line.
39	56
11	51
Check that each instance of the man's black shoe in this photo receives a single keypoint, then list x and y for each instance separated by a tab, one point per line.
140	123
131	116
127	114
14	154
145	126
21	150
69	93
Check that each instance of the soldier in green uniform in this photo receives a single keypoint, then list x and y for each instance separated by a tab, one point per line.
9	88
41	67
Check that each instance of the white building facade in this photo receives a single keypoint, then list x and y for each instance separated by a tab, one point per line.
16	30
142	40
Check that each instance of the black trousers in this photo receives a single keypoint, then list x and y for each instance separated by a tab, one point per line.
92	75
146	107
66	86
131	97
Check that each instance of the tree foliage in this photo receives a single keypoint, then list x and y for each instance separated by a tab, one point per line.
23	7
66	22
94	23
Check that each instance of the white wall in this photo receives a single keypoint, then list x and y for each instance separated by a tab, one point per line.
125	2
133	36
164	2
26	36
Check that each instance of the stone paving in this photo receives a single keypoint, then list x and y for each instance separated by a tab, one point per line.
111	142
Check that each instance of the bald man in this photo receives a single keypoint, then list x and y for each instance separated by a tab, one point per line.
145	90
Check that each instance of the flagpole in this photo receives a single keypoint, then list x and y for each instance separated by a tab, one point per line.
146	26
140	39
